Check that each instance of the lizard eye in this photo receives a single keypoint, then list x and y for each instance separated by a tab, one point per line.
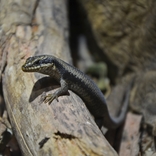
37	62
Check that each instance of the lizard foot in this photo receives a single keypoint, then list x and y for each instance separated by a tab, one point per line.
50	97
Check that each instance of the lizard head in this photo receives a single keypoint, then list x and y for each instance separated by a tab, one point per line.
41	64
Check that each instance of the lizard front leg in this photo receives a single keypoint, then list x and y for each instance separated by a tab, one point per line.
62	90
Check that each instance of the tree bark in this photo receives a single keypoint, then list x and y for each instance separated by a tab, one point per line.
62	128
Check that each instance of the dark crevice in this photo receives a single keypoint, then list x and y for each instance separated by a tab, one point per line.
35	6
43	141
75	29
4	53
34	11
64	136
4	66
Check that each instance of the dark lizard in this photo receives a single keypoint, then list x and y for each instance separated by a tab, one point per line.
73	79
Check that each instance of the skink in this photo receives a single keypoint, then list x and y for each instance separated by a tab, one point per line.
70	78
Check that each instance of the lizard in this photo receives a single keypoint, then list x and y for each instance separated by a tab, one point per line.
71	78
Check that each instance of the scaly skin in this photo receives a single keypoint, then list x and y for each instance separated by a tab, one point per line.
73	79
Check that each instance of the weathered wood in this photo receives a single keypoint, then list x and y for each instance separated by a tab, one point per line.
64	127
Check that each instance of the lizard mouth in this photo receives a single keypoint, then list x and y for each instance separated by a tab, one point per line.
30	68
33	68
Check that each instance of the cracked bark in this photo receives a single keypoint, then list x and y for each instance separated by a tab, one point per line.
64	127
